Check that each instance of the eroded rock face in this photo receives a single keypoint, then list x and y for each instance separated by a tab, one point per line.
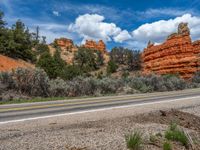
97	46
68	49
64	43
177	55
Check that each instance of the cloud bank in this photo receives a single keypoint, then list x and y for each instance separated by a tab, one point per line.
159	30
93	26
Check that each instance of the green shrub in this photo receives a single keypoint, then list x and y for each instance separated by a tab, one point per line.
33	82
58	88
139	84
167	146
152	82
70	72
109	85
196	77
81	86
173	126
152	138
134	141
86	59
6	79
175	134
175	83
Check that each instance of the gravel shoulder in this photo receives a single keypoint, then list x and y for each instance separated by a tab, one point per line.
101	130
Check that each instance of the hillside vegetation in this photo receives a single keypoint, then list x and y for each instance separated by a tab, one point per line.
43	74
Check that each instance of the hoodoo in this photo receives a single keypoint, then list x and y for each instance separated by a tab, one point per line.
177	55
97	46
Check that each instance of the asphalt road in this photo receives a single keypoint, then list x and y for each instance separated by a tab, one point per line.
30	111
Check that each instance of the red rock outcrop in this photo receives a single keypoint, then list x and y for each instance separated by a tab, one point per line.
97	46
68	49
177	55
64	43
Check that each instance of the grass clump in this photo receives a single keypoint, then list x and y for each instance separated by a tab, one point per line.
152	138
176	134
134	141
167	146
173	126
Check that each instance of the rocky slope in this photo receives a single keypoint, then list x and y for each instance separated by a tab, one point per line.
177	55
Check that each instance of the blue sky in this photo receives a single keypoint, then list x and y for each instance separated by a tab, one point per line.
129	23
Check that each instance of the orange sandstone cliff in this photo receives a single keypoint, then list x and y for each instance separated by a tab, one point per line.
97	46
177	55
100	45
67	47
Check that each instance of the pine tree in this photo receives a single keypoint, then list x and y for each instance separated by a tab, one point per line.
112	67
47	63
86	59
2	22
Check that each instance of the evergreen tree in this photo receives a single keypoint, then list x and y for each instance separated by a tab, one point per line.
99	59
112	67
41	48
59	63
71	71
2	22
22	42
86	59
47	63
54	66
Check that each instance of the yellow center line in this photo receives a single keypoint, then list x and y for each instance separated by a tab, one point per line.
88	101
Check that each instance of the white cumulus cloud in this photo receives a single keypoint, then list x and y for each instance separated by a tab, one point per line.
122	36
92	26
159	30
56	13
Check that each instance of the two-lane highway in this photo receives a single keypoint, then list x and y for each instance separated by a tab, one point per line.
30	111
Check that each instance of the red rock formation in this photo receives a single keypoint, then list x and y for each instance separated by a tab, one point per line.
64	43
177	55
93	45
68	49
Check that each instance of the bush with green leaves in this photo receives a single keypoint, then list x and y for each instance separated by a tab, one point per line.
175	83
6	79
58	88
86	59
71	71
82	86
33	82
134	141
111	67
167	146
152	82
196	77
54	66
129	57
41	48
138	83
109	85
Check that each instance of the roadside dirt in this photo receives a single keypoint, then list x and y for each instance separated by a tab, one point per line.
108	134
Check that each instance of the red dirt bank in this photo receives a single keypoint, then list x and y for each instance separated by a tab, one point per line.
7	63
